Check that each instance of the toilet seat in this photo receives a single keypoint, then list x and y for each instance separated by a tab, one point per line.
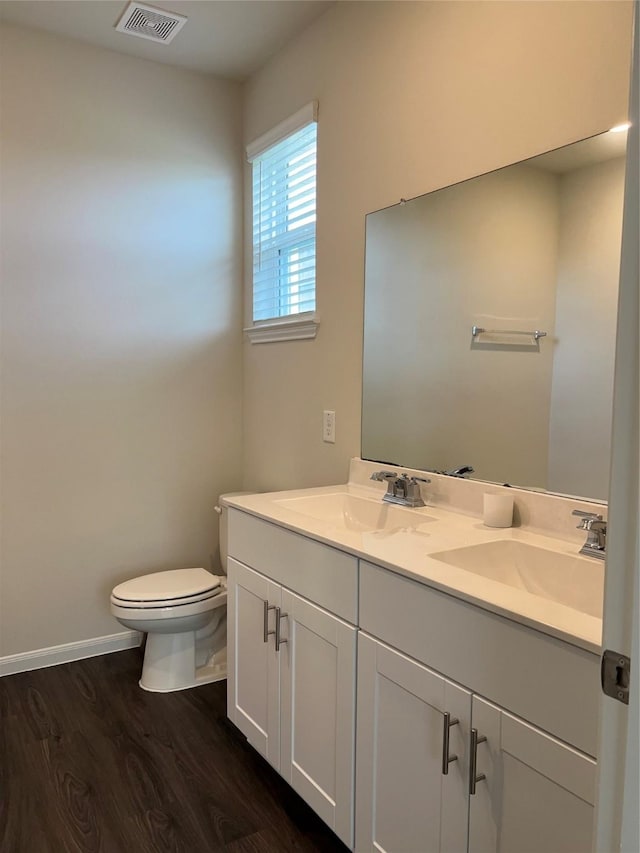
172	588
165	603
127	611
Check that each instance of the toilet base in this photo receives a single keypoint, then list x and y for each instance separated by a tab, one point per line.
204	675
170	664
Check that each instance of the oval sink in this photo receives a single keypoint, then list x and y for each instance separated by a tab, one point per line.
574	581
355	513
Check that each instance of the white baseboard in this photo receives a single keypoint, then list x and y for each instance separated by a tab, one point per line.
40	658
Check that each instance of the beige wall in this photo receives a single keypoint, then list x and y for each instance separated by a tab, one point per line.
121	404
591	202
483	253
121	356
413	96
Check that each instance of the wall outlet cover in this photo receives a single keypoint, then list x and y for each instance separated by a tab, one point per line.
329	426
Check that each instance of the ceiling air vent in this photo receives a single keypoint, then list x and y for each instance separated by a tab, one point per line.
147	22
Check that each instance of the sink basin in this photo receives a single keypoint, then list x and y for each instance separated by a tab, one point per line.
355	513
576	582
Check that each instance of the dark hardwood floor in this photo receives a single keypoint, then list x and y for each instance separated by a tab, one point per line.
90	762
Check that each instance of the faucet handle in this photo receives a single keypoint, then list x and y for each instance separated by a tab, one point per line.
380	476
420	479
587	518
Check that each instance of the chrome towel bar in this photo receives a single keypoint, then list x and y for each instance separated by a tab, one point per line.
478	330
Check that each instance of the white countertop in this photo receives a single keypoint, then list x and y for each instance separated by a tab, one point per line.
407	552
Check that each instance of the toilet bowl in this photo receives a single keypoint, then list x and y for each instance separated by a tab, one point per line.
183	612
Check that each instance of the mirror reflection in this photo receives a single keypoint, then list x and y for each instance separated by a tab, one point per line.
533	247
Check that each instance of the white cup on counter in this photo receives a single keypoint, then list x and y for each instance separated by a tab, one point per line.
497	510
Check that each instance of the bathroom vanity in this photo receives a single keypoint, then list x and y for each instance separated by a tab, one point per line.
428	684
425	683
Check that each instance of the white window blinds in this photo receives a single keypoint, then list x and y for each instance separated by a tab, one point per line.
284	218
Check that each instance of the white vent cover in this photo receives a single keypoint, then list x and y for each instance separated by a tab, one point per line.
147	22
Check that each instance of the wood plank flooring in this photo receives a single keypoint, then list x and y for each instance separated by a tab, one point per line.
90	762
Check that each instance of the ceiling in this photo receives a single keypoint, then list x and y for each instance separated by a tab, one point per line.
227	38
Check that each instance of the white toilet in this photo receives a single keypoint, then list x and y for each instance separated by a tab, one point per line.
184	614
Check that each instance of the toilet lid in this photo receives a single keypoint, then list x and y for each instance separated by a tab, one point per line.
170	585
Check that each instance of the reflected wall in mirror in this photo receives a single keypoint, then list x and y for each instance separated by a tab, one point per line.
533	246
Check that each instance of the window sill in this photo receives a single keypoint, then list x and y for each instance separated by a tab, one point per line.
298	327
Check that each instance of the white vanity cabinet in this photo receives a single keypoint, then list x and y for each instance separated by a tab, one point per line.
508	787
253	682
537	792
291	662
447	693
317	716
411	729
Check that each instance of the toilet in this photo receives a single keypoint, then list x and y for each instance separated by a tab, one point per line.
183	612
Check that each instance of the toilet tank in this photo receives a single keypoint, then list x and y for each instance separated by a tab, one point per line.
222	511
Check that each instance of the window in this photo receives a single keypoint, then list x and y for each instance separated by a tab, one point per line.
284	224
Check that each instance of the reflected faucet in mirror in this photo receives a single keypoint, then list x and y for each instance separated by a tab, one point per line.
459	472
401	489
462	471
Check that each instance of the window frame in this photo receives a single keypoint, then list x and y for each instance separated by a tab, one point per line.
294	326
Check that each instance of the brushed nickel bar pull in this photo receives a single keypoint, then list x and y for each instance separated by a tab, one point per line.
446	758
279	640
473	761
265	620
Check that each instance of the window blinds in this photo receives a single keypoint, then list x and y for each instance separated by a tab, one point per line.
284	222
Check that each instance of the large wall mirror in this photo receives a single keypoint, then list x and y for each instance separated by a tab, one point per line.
533	247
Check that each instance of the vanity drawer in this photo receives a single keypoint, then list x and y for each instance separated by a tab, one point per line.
550	683
324	575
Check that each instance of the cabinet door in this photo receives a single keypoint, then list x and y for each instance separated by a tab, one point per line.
538	793
253	679
404	801
317	678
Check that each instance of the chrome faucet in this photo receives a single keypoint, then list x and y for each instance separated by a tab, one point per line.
401	488
596	527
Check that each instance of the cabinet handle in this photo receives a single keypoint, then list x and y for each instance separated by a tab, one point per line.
265	620
279	640
473	761
446	758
